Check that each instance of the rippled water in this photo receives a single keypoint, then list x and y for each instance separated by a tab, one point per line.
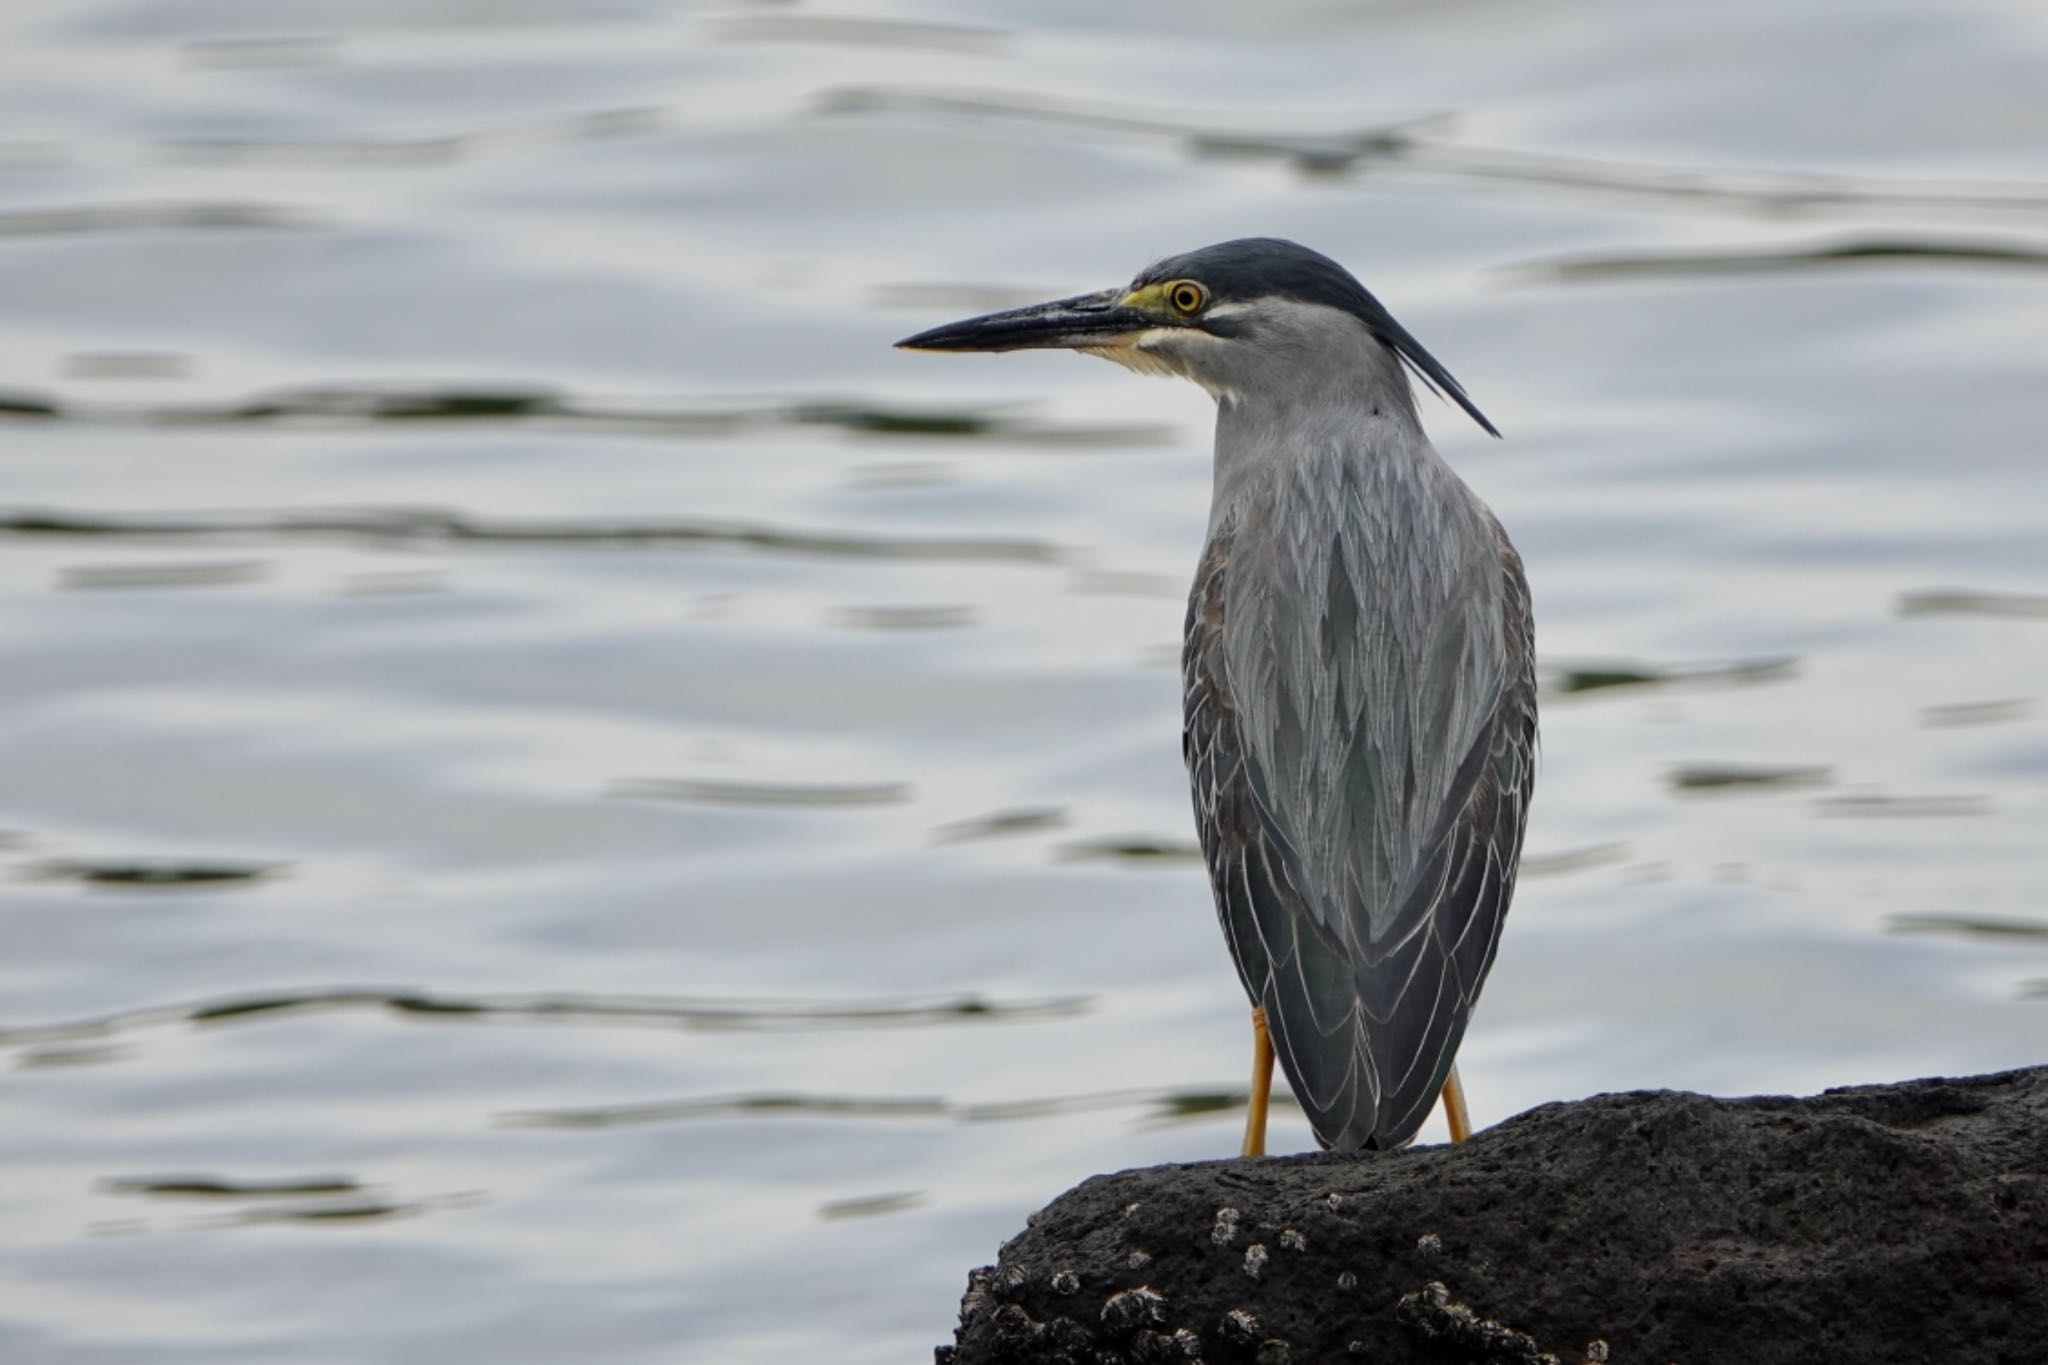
562	801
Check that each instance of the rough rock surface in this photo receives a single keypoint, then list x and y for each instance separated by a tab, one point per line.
1902	1223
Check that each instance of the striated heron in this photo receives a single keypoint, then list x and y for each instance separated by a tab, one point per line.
1357	671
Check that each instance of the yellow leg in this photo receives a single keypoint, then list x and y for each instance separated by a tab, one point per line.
1454	1107
1262	1086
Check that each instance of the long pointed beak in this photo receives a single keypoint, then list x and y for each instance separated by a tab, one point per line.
1085	320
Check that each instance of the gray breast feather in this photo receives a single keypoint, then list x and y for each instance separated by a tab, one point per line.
1360	707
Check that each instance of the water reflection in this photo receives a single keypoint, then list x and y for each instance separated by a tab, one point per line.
127	577
153	875
673	1111
1770	193
901	34
228	1187
871	1206
1573	860
1003	824
1573	679
398	583
1954	715
896	476
1744	777
956	617
604	1011
198	216
349	1211
1994	927
332	404
1136	850
316	1200
1412	145
1146	1106
1966	602
410	527
1878	806
797	794
52	1057
31	405
1310	152
418	152
1858	252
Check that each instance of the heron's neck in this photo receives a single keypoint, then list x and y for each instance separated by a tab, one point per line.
1363	411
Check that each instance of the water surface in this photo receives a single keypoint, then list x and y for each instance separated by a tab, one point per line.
562	801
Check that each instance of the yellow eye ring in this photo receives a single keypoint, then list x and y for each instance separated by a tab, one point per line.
1186	296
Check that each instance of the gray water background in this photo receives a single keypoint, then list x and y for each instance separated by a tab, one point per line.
563	802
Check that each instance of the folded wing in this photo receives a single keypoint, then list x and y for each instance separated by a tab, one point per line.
1360	733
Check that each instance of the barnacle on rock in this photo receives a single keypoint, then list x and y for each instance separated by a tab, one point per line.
1239	1325
1125	1313
1436	1317
1224	1232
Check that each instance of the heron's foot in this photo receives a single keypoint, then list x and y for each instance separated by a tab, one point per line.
1262	1086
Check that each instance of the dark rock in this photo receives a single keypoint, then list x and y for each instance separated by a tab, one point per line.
1902	1223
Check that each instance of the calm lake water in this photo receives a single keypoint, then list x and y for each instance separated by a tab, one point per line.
564	802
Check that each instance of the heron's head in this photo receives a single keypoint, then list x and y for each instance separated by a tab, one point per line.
1245	318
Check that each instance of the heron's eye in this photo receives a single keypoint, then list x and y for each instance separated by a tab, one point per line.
1186	296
